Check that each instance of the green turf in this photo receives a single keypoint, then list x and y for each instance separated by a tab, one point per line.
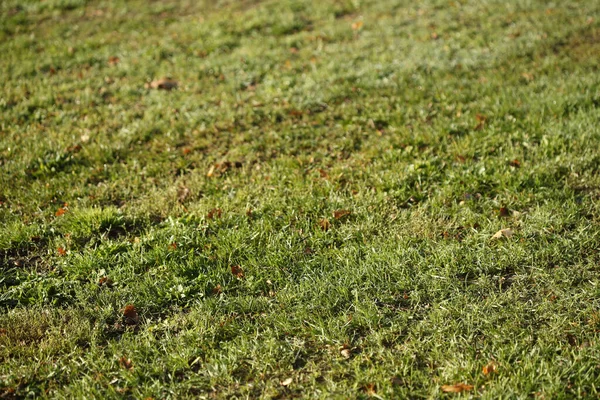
310	213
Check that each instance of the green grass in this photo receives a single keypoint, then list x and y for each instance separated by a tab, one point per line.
424	123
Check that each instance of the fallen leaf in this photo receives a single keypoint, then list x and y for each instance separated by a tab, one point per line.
503	233
237	271
215	212
357	25
61	251
164	84
324	224
61	211
480	121
217	290
503	212
131	315
527	76
76	148
126	363
338	214
515	163
113	60
183	193
346	353
105	281
323	173
490	368
370	389
458	388
287	382
397	381
211	171
296	113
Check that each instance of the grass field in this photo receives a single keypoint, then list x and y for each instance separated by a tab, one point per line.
311	212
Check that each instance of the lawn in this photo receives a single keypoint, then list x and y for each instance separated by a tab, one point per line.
326	199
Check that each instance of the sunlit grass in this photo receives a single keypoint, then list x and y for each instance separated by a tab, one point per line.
310	212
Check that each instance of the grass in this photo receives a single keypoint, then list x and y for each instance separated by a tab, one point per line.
310	213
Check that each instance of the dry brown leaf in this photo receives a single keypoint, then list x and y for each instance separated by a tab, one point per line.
164	84
131	315
325	224
357	25
457	388
480	121
61	211
527	76
370	389
515	163
126	363
296	113
397	381
237	271
113	60
287	382
338	214
490	368
503	212
61	251
183	193
217	290
214	213
211	171
105	281
76	148
503	233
